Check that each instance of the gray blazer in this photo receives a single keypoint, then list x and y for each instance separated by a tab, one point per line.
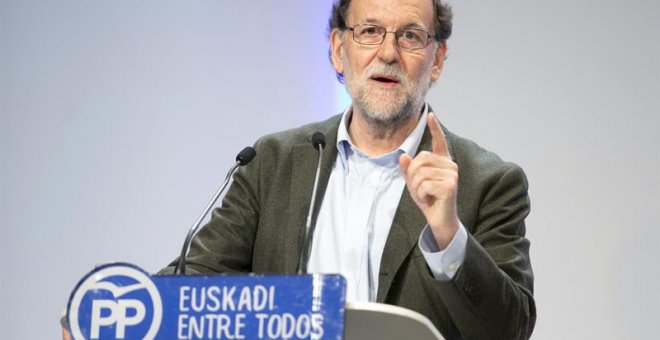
260	228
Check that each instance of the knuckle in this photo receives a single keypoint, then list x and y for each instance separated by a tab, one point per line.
423	186
424	154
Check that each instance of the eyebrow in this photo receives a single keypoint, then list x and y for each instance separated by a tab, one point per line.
413	25
408	25
370	21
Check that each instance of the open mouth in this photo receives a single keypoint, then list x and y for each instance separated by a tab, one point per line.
385	80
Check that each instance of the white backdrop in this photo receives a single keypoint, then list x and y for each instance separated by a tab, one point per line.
120	118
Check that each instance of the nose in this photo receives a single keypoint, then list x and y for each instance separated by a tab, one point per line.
388	51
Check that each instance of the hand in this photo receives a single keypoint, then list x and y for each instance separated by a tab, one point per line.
65	334
432	180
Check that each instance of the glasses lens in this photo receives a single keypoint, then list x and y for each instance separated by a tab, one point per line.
368	34
412	39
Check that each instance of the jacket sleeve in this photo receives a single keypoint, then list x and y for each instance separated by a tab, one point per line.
225	243
490	297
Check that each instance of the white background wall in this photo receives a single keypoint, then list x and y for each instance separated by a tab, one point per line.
119	119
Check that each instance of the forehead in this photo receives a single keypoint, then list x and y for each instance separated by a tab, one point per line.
391	13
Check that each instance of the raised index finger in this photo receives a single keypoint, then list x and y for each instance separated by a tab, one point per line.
439	141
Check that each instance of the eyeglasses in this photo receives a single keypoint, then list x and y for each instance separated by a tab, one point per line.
407	38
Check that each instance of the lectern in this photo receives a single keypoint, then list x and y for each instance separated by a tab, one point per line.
122	301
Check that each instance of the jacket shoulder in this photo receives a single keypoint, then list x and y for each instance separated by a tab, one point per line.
300	135
473	158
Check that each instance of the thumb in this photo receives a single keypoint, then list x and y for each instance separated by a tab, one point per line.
404	163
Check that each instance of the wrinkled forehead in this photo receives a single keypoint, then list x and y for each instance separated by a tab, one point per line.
391	14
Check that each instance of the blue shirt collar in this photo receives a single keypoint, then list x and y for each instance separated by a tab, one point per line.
409	145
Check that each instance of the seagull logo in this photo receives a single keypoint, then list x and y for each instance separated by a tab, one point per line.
92	314
118	291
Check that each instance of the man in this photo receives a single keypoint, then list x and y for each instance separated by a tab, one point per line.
409	213
449	245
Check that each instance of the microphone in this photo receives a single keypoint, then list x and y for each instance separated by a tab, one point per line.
244	157
318	140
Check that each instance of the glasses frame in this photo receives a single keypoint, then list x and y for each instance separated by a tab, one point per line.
397	34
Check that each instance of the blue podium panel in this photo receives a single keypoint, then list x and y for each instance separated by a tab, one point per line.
121	301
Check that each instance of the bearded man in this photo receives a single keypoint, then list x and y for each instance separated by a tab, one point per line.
410	213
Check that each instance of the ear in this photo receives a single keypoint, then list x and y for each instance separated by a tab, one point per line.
439	61
337	50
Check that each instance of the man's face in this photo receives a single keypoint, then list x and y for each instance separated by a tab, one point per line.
386	82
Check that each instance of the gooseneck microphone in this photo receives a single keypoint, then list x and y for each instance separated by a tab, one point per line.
318	140
244	157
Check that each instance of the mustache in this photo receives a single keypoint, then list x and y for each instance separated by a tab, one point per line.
386	70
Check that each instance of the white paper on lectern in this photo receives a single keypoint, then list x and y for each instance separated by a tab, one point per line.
366	320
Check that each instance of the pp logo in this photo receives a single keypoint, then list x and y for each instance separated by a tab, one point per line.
115	301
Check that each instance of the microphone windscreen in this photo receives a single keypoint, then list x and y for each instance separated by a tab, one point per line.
246	155
318	139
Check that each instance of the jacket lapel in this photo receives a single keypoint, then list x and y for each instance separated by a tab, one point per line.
406	228
405	231
303	171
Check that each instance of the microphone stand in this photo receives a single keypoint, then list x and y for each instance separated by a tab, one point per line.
244	157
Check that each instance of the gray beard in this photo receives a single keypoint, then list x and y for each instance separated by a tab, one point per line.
390	120
385	120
